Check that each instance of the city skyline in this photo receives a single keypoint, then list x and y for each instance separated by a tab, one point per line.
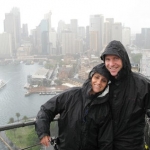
134	14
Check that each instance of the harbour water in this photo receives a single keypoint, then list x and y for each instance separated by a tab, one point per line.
12	96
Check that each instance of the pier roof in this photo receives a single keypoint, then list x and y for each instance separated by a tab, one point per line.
41	73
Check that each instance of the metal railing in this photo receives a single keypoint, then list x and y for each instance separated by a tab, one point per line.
147	134
21	124
16	125
29	123
6	141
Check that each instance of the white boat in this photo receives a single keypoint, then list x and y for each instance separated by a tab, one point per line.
52	93
2	83
27	93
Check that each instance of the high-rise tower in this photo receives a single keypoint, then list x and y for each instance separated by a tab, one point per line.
74	26
12	25
117	31
48	18
96	29
126	36
108	30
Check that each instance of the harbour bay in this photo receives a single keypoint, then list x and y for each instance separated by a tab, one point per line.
12	96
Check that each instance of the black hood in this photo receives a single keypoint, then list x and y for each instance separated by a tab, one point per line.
101	69
116	48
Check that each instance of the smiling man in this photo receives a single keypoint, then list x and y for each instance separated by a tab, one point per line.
129	98
114	64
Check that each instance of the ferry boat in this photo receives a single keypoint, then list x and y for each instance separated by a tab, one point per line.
2	83
27	93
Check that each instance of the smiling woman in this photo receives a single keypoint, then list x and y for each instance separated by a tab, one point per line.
84	112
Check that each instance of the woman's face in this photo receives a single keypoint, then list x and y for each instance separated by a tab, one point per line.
98	82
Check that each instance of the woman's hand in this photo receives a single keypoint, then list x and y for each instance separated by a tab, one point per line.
46	141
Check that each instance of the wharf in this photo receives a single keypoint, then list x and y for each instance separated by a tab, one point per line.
45	90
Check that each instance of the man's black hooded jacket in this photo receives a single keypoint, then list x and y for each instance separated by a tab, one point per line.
129	99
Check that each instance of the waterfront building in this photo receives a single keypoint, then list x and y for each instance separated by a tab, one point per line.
14	28
40	77
24	50
5	45
64	72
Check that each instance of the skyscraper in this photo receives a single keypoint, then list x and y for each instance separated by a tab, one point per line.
24	32
12	25
74	26
68	42
96	30
5	45
145	35
48	18
126	36
108	30
117	31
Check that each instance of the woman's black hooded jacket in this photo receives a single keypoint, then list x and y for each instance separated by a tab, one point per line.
130	100
85	121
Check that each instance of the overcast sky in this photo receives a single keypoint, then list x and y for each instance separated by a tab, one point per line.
131	13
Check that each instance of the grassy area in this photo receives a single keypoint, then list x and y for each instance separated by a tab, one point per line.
23	137
26	136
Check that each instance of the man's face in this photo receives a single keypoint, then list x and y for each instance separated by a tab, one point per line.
114	64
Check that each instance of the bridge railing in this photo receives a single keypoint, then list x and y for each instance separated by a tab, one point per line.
12	146
13	127
147	133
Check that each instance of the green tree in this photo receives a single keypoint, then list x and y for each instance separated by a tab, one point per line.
25	118
58	82
18	115
136	58
11	120
48	66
